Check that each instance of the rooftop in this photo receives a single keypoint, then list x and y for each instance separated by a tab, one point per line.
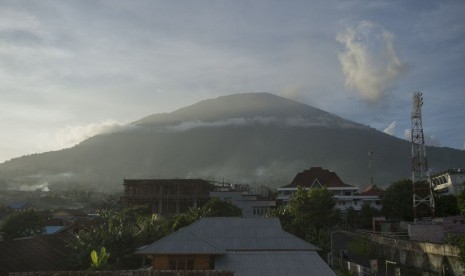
218	234
318	175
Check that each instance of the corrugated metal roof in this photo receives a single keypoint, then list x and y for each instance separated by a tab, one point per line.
234	233
219	234
184	241
274	263
37	253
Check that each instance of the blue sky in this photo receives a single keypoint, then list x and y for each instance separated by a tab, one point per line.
72	69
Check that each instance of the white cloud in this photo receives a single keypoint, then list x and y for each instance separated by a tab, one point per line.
369	62
390	129
430	140
69	136
320	121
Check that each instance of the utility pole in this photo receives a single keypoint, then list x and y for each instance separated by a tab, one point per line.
370	165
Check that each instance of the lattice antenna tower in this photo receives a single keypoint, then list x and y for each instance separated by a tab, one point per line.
423	200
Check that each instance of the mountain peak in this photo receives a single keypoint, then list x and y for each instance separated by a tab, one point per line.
247	106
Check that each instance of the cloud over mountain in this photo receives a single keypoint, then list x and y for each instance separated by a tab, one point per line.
390	129
369	62
254	138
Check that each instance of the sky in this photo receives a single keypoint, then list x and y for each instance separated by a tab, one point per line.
72	69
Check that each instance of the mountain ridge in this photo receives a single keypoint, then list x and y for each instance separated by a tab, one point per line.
252	138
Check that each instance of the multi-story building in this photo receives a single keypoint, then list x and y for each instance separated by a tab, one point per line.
449	182
167	196
345	195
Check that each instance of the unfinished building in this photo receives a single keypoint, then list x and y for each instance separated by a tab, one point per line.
166	196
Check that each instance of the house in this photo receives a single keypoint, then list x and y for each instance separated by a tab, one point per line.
246	246
372	196
345	195
166	196
35	253
449	182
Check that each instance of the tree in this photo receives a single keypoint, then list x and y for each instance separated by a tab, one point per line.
217	208
121	233
366	216
185	219
446	205
398	200
310	214
213	208
362	218
22	224
461	201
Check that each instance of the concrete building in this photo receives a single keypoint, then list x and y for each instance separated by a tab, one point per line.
450	182
245	246
253	203
345	195
167	196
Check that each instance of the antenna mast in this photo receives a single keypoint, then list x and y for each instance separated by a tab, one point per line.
422	187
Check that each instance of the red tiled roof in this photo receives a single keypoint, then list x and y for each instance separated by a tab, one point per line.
373	190
325	177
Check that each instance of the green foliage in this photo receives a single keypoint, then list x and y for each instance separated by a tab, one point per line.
363	218
398	201
461	201
461	246
446	205
218	208
313	208
121	233
22	224
310	215
184	219
213	208
99	261
360	247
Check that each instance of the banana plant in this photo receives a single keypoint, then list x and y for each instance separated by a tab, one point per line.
99	261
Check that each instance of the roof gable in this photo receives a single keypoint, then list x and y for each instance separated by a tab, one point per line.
373	190
325	178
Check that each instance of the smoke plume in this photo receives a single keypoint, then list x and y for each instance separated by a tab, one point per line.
370	63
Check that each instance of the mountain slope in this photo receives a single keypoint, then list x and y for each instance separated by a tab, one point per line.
249	138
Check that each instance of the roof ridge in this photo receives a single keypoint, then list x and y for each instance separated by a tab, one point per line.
206	240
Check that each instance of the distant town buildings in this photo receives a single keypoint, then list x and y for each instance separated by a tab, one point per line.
167	196
245	246
345	195
450	182
252	202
